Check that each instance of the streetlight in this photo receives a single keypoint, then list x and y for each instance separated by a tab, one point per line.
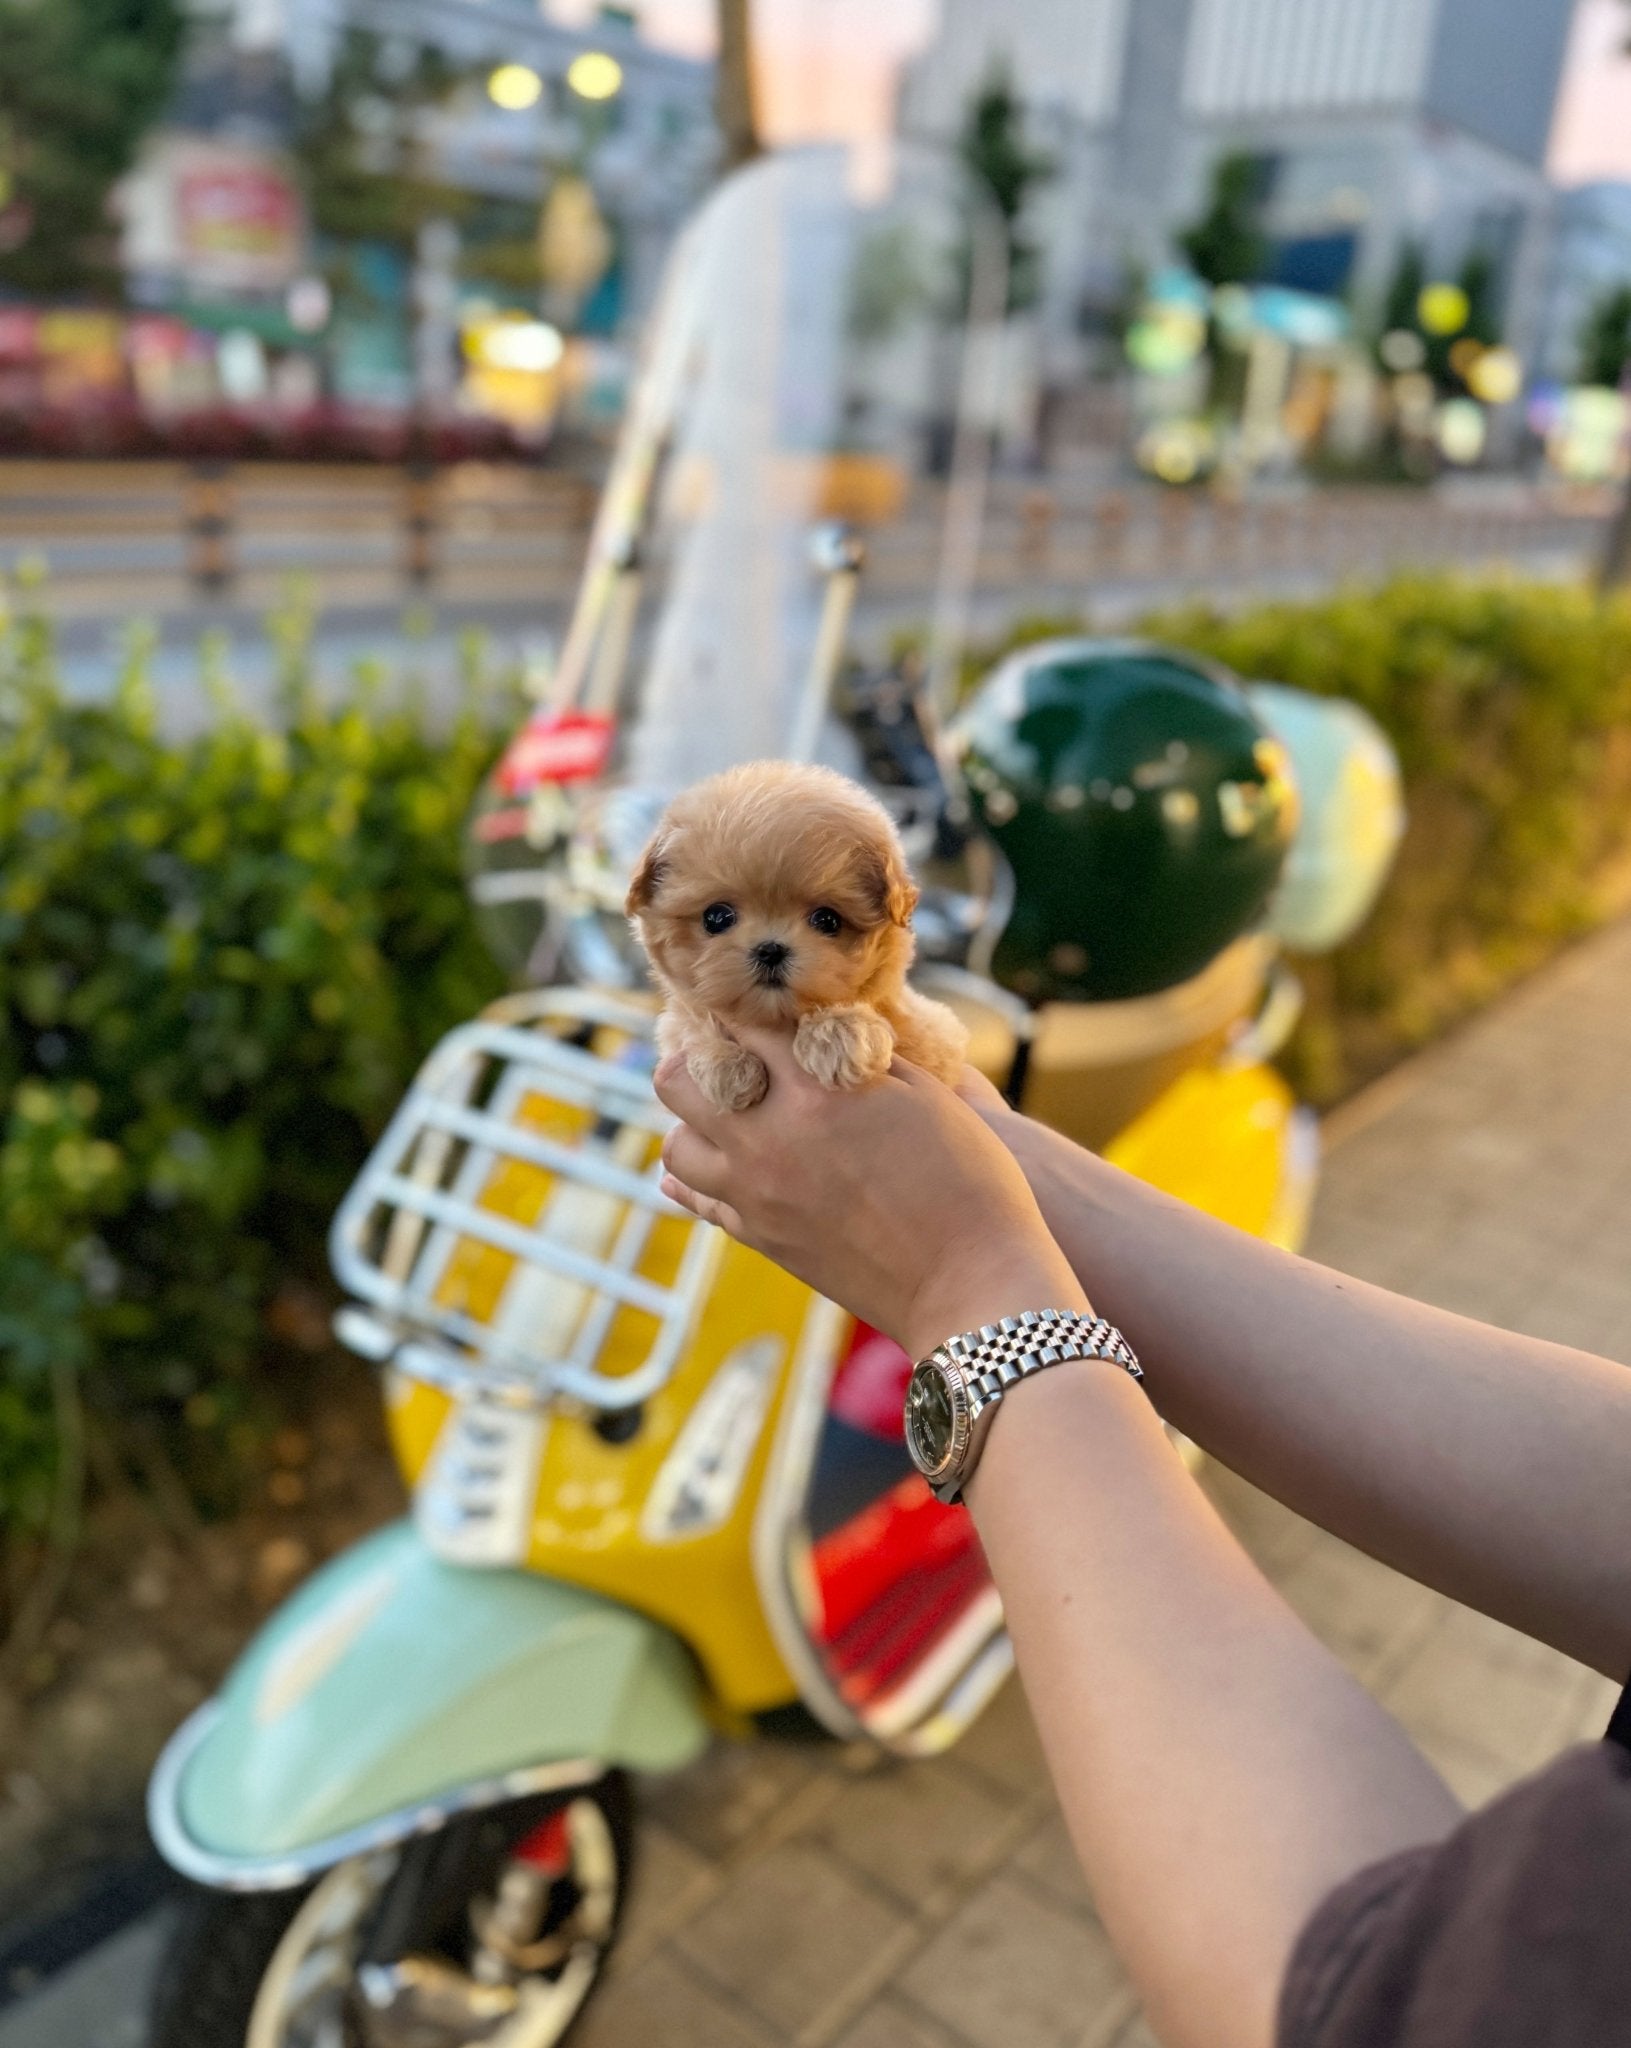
515	87
594	75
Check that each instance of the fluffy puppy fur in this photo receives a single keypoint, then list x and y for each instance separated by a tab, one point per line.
775	895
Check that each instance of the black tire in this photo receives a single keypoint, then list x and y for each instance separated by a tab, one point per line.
223	1944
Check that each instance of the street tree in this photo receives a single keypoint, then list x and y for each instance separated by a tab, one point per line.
1006	171
81	82
1227	245
359	142
1605	338
1480	278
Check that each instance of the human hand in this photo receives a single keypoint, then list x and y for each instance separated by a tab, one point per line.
984	1097
894	1200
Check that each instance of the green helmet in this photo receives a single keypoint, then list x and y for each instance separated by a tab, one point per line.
1143	807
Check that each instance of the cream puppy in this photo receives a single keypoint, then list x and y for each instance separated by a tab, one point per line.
775	895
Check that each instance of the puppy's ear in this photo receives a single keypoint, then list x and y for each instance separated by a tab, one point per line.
648	874
889	882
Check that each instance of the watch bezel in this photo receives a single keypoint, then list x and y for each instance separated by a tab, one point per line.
962	1421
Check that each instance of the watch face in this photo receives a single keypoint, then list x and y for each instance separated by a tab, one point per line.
933	1416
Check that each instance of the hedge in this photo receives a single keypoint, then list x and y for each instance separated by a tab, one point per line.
220	959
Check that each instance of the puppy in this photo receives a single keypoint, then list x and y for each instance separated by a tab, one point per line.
779	896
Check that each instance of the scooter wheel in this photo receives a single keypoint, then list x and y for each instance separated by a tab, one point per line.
504	1914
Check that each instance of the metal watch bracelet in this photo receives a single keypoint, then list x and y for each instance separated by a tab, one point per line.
952	1391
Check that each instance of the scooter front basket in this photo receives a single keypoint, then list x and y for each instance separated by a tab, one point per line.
507	1237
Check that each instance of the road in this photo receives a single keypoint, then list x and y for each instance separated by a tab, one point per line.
789	1899
502	550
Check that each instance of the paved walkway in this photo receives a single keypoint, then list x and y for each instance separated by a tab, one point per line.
791	1897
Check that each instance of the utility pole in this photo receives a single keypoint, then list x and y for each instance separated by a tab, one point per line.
733	86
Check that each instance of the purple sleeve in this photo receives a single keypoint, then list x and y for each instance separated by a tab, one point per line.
1513	1933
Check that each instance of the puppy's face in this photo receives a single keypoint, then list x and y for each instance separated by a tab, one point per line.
772	890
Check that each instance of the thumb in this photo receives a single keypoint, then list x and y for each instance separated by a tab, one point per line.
774	1047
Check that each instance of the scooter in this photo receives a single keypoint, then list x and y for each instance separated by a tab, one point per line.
659	1490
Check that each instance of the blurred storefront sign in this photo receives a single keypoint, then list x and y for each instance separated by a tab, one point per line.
512	370
65	357
171	364
205	217
81	356
240	222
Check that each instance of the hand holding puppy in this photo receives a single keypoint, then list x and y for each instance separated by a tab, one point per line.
775	896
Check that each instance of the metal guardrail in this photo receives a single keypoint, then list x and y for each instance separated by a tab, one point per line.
161	536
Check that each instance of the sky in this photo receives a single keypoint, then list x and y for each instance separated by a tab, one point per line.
828	67
1592	134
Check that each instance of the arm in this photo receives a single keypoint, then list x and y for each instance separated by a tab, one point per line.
1218	1770
1491	1466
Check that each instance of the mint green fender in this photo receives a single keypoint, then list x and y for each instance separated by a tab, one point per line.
393	1690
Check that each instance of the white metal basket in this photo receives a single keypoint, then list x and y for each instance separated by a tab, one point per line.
425	1192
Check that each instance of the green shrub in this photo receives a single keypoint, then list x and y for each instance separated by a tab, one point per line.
220	960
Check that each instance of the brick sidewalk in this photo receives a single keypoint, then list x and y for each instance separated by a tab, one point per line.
792	1897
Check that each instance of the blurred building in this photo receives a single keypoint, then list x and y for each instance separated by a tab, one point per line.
647	147
1590	258
1371	124
570	157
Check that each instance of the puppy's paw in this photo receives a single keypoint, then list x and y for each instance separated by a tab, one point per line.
731	1077
844	1047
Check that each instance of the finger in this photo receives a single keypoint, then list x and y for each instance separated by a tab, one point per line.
690	1158
979	1092
705	1207
775	1048
913	1076
677	1090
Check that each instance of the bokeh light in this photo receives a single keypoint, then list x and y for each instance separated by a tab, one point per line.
514	344
515	87
1443	308
1402	349
1174	450
1167	338
593	75
1463	354
1496	377
1461	430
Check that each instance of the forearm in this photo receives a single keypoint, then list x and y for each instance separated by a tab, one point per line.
1488	1465
1219	1772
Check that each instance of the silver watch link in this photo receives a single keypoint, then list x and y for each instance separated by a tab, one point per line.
953	1393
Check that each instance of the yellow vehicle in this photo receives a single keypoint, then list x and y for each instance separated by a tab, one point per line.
660	1490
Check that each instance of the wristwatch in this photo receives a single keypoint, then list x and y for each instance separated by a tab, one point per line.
954	1392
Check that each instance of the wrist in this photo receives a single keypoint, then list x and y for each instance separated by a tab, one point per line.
1080	1401
977	1289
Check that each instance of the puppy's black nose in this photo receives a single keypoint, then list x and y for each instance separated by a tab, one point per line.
770	955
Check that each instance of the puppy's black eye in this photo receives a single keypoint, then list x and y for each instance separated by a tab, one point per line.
717	918
826	921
